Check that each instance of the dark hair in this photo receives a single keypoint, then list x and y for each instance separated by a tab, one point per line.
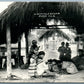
49	61
34	42
67	44
40	58
62	43
54	60
68	60
32	54
41	53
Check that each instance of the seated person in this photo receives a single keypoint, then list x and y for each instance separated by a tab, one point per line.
49	63
43	68
41	65
79	60
53	67
52	62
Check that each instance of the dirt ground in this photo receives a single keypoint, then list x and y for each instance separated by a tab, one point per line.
22	76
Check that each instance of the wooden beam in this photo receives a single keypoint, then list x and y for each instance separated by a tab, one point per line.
8	39
54	27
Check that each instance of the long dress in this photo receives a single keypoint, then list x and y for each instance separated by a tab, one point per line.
32	68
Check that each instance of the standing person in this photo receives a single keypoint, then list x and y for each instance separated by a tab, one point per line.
67	52
61	50
33	49
33	46
35	52
33	66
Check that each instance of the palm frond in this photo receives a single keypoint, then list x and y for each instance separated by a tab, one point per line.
50	32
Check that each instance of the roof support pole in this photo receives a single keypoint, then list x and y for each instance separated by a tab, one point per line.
78	43
26	41
8	39
19	51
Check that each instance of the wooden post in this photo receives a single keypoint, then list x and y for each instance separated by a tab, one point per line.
78	44
26	41
19	50
53	37
8	39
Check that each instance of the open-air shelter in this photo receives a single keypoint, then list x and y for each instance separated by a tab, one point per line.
20	17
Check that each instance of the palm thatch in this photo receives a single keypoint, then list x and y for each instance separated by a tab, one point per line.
73	13
21	13
20	16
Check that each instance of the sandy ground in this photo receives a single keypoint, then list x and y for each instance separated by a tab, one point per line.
23	77
23	74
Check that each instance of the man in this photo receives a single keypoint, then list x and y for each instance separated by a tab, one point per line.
79	60
61	50
33	46
67	52
33	49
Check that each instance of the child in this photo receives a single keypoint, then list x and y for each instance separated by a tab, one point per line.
33	62
33	66
35	51
41	65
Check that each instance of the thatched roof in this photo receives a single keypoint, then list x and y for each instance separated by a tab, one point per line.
20	16
73	13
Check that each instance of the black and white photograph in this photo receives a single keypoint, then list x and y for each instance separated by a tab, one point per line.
41	41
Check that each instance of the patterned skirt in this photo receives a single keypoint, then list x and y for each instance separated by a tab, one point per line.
32	70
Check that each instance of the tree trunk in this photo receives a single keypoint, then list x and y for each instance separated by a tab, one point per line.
8	38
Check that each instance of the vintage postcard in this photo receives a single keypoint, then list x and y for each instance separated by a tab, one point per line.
41	41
